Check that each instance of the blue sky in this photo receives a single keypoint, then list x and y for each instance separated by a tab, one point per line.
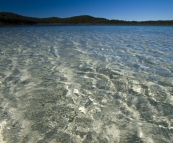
111	9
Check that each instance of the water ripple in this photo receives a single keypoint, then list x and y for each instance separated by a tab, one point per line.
86	84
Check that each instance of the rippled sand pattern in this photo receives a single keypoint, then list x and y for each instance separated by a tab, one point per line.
90	84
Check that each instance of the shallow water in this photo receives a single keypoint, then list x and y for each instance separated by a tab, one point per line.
74	84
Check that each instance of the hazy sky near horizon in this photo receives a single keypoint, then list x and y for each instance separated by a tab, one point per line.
111	9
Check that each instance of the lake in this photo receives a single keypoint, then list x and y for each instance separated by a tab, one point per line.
89	84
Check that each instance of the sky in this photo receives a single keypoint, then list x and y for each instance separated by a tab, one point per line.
139	10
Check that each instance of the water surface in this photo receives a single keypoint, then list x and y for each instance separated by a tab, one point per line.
74	84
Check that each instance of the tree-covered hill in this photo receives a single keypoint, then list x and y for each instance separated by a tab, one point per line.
8	18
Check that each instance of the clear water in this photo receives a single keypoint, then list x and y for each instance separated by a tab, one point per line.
91	84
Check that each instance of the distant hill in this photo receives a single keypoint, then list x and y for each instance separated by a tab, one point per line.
8	18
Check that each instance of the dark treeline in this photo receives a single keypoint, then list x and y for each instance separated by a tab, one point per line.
7	18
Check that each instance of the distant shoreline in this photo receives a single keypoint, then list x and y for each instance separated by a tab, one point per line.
11	19
25	25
